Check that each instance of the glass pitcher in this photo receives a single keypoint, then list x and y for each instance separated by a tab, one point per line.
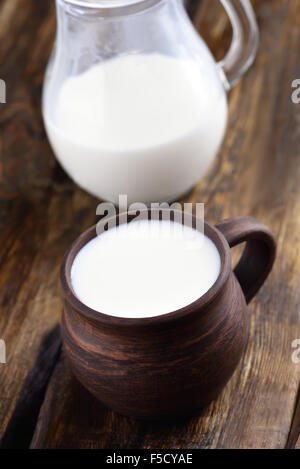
133	101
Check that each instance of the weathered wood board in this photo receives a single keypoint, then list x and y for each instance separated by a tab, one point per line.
41	211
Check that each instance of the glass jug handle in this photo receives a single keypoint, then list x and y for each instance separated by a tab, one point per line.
245	39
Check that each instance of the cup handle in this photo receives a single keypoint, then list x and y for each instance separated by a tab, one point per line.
244	44
259	254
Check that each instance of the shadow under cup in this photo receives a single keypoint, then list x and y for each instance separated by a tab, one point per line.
151	215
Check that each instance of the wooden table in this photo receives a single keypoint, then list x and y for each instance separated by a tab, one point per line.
257	173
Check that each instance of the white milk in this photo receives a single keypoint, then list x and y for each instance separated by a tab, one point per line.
145	269
147	126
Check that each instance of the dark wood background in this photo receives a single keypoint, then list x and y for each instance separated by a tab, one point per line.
41	211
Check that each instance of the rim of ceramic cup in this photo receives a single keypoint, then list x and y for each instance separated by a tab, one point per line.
96	316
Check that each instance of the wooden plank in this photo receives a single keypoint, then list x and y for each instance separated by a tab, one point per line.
40	210
257	173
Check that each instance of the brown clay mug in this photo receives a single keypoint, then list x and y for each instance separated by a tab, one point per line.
173	364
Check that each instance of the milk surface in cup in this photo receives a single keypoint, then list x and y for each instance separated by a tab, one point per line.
145	269
145	125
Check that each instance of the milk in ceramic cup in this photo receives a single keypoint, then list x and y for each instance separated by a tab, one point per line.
145	125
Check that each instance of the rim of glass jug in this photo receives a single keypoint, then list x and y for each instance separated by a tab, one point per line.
116	6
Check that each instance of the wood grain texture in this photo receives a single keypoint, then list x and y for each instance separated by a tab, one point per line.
41	212
21	427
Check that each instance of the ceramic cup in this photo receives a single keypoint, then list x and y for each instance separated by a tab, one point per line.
172	364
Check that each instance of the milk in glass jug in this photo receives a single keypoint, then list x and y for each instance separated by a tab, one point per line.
134	102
